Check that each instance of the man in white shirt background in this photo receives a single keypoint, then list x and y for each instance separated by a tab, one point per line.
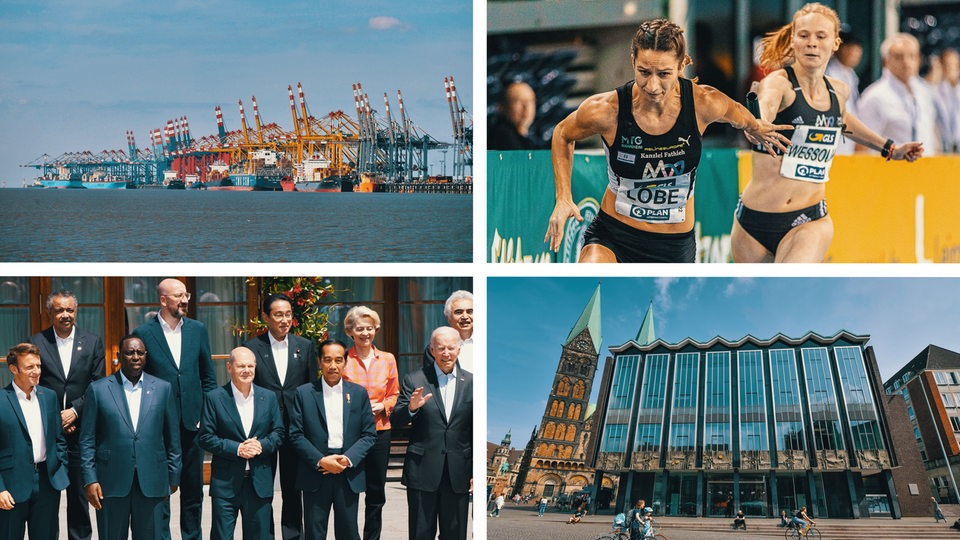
898	105
285	361
71	358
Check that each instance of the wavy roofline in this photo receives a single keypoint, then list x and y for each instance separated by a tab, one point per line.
778	338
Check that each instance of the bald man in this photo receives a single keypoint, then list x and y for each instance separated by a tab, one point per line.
515	114
179	350
242	429
898	105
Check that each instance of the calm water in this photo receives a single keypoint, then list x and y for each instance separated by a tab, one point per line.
60	225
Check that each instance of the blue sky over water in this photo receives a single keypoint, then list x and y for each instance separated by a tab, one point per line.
530	318
77	75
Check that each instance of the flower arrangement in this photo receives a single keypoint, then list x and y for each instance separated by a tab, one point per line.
305	293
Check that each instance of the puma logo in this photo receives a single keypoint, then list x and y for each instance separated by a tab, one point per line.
685	141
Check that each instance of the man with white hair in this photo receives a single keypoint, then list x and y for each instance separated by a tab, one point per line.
898	105
458	310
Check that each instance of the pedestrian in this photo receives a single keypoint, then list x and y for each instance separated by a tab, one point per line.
937	514
498	505
542	506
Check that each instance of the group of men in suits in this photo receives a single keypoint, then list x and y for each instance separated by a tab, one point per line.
125	443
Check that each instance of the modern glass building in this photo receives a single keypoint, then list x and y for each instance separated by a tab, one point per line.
705	428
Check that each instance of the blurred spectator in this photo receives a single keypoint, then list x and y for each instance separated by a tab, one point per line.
931	75
841	67
949	93
515	114
899	105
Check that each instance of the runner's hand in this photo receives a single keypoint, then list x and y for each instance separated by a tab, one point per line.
767	135
910	151
564	210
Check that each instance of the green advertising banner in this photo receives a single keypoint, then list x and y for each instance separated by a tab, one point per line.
520	198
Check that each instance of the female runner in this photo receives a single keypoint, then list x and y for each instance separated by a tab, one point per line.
782	214
651	129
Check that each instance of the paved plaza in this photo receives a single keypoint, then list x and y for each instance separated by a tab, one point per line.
521	523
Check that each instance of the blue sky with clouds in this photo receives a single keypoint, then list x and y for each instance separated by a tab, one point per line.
77	75
530	318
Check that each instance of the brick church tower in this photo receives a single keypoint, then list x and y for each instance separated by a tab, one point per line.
557	461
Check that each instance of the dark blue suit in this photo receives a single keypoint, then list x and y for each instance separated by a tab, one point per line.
194	377
309	435
232	488
135	468
35	490
437	468
86	365
301	369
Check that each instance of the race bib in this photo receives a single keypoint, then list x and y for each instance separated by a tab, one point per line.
810	156
654	200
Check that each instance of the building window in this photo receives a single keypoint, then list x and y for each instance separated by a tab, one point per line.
948	400
955	422
790	436
654	381
753	436
624	378
910	413
615	438
786	400
856	392
648	438
940	377
683	437
716	437
823	400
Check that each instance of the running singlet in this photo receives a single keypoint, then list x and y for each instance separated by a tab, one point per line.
815	139
652	176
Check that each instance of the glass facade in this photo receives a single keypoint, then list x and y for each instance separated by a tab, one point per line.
822	399
753	403
763	428
785	390
621	400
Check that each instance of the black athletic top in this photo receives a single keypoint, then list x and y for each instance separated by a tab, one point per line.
801	113
638	161
637	154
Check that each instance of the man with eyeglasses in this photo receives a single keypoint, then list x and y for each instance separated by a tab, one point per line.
437	402
180	354
284	362
458	309
71	358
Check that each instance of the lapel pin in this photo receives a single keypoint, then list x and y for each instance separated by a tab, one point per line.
79	347
348	398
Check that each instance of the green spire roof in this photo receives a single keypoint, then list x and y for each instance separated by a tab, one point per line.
647	335
589	319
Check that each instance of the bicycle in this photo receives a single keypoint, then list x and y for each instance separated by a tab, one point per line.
794	533
623	533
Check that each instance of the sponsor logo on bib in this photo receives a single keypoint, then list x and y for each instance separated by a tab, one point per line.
631	143
821	136
811	172
626	157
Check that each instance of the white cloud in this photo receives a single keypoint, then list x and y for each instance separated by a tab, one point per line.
738	286
384	23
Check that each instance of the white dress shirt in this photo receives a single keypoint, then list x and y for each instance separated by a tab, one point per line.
466	354
843	73
281	357
894	111
245	408
174	337
447	386
333	407
133	392
65	348
30	406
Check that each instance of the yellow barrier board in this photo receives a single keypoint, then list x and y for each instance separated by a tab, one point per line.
890	212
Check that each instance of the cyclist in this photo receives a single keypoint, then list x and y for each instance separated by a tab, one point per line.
635	519
803	521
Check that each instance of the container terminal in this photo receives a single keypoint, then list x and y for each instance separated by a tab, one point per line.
336	152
